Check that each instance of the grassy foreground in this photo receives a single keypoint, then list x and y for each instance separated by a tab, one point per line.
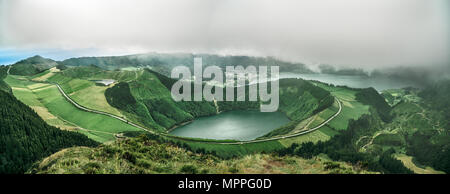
144	155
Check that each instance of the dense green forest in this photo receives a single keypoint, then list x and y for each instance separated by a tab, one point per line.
371	97
436	96
429	146
26	138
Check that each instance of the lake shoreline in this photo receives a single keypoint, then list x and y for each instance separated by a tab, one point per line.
233	124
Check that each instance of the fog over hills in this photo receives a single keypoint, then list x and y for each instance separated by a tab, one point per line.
403	38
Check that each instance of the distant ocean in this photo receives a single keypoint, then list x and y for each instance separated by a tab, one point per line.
11	56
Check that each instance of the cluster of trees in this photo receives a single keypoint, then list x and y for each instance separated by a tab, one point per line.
427	152
3	73
431	147
26	138
436	97
342	147
371	97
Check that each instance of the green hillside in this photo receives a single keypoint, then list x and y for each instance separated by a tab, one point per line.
397	131
3	85
163	63
371	97
32	66
149	98
25	137
144	155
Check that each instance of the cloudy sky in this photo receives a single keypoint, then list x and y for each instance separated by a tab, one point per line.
370	33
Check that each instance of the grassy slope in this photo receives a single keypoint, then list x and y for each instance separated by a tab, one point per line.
409	163
142	155
50	98
351	108
21	90
32	66
25	137
85	93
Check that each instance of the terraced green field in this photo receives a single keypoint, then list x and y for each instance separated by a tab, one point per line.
50	98
85	93
351	109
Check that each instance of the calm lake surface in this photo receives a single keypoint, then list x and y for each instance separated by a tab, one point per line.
236	125
248	125
354	81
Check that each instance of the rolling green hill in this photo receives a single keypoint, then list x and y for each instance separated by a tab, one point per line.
32	66
149	98
163	63
371	97
398	131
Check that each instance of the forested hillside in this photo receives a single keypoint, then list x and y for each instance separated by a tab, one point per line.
163	63
26	138
371	97
3	74
150	99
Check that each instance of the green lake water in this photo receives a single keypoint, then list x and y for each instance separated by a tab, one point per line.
236	125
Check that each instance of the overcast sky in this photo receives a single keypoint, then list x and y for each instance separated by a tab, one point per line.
369	33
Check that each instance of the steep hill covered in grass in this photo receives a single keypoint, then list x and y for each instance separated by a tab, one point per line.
32	65
144	155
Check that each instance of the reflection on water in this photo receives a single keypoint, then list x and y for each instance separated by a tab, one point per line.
237	125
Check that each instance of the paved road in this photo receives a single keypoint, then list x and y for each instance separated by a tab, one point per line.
210	142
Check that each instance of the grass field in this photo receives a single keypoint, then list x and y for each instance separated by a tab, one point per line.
314	137
23	90
45	75
54	108
351	109
228	151
86	93
408	162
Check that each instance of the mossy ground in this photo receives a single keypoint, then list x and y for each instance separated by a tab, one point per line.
142	155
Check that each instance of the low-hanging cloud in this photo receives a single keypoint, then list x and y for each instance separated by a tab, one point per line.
367	34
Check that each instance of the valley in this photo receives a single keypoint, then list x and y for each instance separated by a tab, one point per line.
136	104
